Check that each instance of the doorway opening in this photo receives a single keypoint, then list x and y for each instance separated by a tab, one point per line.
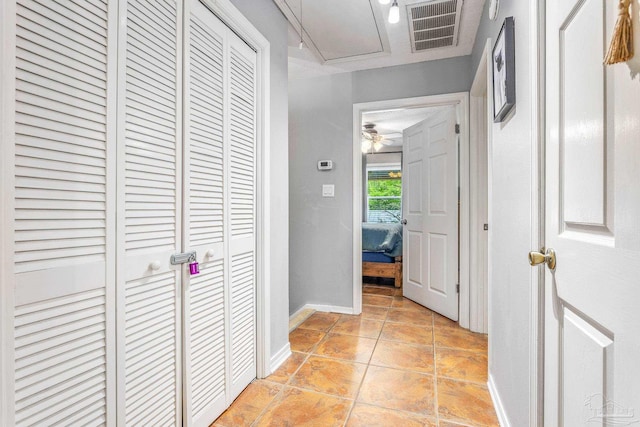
417	109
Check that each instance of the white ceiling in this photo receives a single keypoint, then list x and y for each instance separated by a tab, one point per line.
350	35
391	123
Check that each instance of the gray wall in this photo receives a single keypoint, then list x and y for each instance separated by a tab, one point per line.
268	19
321	127
511	225
320	238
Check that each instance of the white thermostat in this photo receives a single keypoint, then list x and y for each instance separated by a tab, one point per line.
325	165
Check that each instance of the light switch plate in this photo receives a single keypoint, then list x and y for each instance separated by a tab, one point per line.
328	190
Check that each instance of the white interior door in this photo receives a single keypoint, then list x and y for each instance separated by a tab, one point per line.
430	193
64	258
592	321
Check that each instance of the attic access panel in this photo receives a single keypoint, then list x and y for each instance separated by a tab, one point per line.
434	24
338	30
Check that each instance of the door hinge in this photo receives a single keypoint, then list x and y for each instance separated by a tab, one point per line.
458	288
486	227
457	129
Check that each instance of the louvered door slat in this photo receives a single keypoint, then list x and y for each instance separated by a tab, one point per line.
150	194
61	222
241	197
205	323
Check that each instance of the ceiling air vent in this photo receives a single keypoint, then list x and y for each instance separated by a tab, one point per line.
434	24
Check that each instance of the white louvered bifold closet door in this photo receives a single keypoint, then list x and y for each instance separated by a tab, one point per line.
205	355
241	202
149	215
219	171
64	227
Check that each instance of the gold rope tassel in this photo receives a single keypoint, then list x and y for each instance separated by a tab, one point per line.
621	47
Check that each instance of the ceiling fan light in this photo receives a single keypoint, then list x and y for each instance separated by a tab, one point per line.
384	1
377	145
394	13
365	146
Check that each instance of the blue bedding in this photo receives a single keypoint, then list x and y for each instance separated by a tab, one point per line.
382	237
377	257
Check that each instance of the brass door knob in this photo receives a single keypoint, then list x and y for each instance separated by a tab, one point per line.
549	258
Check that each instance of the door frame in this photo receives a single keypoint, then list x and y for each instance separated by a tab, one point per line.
235	20
480	121
537	47
461	101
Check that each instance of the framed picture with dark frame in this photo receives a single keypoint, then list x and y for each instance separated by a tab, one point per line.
504	71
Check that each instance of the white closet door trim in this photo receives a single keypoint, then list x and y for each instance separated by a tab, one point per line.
234	19
7	131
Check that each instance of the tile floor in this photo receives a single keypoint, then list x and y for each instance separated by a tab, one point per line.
397	364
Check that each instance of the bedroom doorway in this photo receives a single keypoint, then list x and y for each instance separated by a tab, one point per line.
388	120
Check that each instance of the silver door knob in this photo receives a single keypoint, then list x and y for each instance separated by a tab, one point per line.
404	222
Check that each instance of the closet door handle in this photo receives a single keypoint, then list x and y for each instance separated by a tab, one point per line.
404	222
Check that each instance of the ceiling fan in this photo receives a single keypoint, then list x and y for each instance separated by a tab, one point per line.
372	139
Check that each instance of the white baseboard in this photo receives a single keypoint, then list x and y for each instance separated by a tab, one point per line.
330	308
300	310
279	358
497	403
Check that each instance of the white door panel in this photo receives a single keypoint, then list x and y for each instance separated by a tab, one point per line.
64	250
205	218
591	319
149	311
241	161
431	200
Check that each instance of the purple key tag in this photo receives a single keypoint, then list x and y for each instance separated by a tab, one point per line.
194	268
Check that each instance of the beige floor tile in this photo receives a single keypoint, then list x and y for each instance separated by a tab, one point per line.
373	416
378	290
445	423
384	359
288	368
403	356
465	402
304	339
407	333
407	304
357	325
374	312
414	317
439	320
330	376
346	347
377	300
302	408
319	321
462	365
456	337
248	406
398	389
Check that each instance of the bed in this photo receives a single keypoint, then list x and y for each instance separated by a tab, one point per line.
382	251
